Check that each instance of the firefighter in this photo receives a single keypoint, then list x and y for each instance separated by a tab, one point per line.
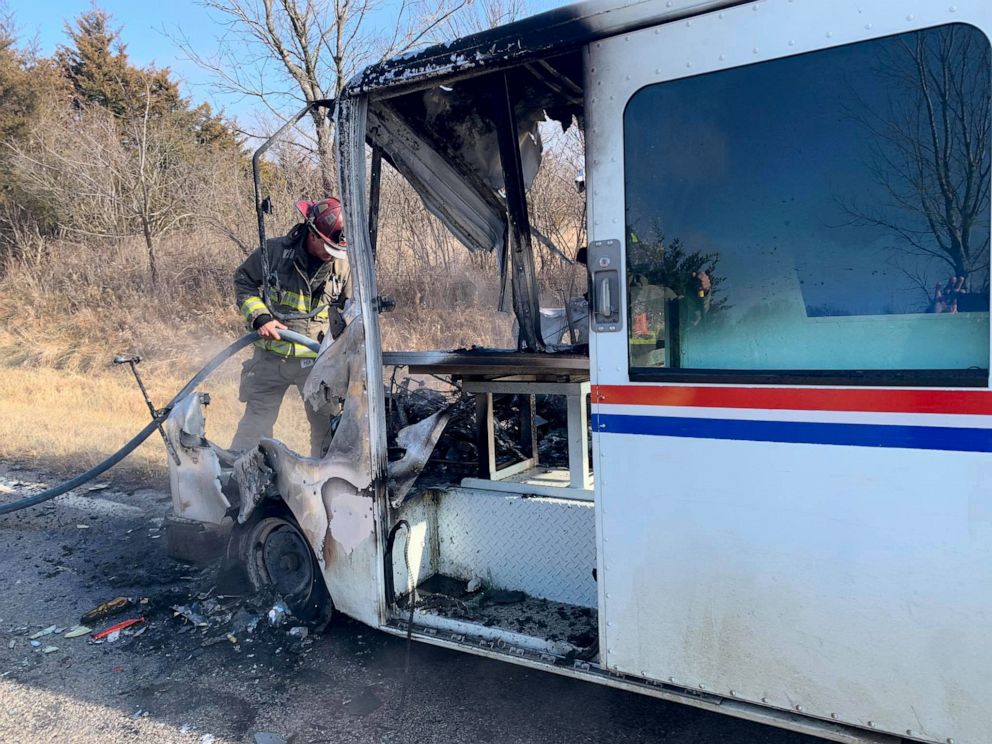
309	269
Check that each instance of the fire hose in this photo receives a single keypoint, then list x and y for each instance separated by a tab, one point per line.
154	424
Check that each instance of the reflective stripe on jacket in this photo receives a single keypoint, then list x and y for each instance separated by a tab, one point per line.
298	291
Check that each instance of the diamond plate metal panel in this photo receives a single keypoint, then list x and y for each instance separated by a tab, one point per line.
544	547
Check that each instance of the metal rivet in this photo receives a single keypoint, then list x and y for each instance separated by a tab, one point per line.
671	679
950	741
871	724
834	716
657	70
755	50
764	700
657	31
702	687
909	17
688	64
799	708
792	42
688	24
722	58
719	15
628	77
953	8
733	693
754	7
867	26
830	34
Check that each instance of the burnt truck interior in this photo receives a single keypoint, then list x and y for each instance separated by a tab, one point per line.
499	545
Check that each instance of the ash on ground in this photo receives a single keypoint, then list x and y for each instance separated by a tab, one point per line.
509	610
255	629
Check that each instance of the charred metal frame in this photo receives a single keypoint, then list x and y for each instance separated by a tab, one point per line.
488	363
529	39
526	296
375	188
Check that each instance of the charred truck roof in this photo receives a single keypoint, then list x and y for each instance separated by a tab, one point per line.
447	118
546	34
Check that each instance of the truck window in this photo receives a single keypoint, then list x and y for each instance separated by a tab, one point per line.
827	211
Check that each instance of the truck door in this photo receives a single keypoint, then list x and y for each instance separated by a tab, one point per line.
789	220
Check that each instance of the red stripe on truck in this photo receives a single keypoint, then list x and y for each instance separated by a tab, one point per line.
798	399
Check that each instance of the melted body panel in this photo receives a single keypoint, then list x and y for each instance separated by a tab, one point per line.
195	483
330	497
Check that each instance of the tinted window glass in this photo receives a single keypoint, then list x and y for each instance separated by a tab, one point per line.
828	211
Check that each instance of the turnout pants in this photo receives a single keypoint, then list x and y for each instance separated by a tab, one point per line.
265	378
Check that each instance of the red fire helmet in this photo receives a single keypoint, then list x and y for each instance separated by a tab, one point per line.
326	219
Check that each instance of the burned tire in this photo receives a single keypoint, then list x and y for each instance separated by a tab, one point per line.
277	558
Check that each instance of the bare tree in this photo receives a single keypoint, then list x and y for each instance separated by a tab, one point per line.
317	44
930	150
481	15
112	181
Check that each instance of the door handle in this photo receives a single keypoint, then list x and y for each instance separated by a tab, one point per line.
605	301
604	268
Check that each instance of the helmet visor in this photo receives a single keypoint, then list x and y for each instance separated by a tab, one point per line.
335	251
331	247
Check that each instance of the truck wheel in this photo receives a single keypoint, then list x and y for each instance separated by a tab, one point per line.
278	558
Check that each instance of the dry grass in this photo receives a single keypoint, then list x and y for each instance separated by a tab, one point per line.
410	329
78	305
66	422
65	408
69	308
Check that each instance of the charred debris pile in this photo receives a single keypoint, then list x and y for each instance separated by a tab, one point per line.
456	454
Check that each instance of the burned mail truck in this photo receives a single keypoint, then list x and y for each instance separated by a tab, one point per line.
777	500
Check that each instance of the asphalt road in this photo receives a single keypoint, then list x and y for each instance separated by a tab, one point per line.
177	683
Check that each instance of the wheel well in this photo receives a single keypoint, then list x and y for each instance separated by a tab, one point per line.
248	546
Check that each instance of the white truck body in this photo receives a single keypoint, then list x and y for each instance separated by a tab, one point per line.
807	545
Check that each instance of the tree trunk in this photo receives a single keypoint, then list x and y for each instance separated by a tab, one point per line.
150	245
325	151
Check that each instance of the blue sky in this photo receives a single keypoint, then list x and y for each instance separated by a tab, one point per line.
146	30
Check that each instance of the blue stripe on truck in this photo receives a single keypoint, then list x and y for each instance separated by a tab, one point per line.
799	432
